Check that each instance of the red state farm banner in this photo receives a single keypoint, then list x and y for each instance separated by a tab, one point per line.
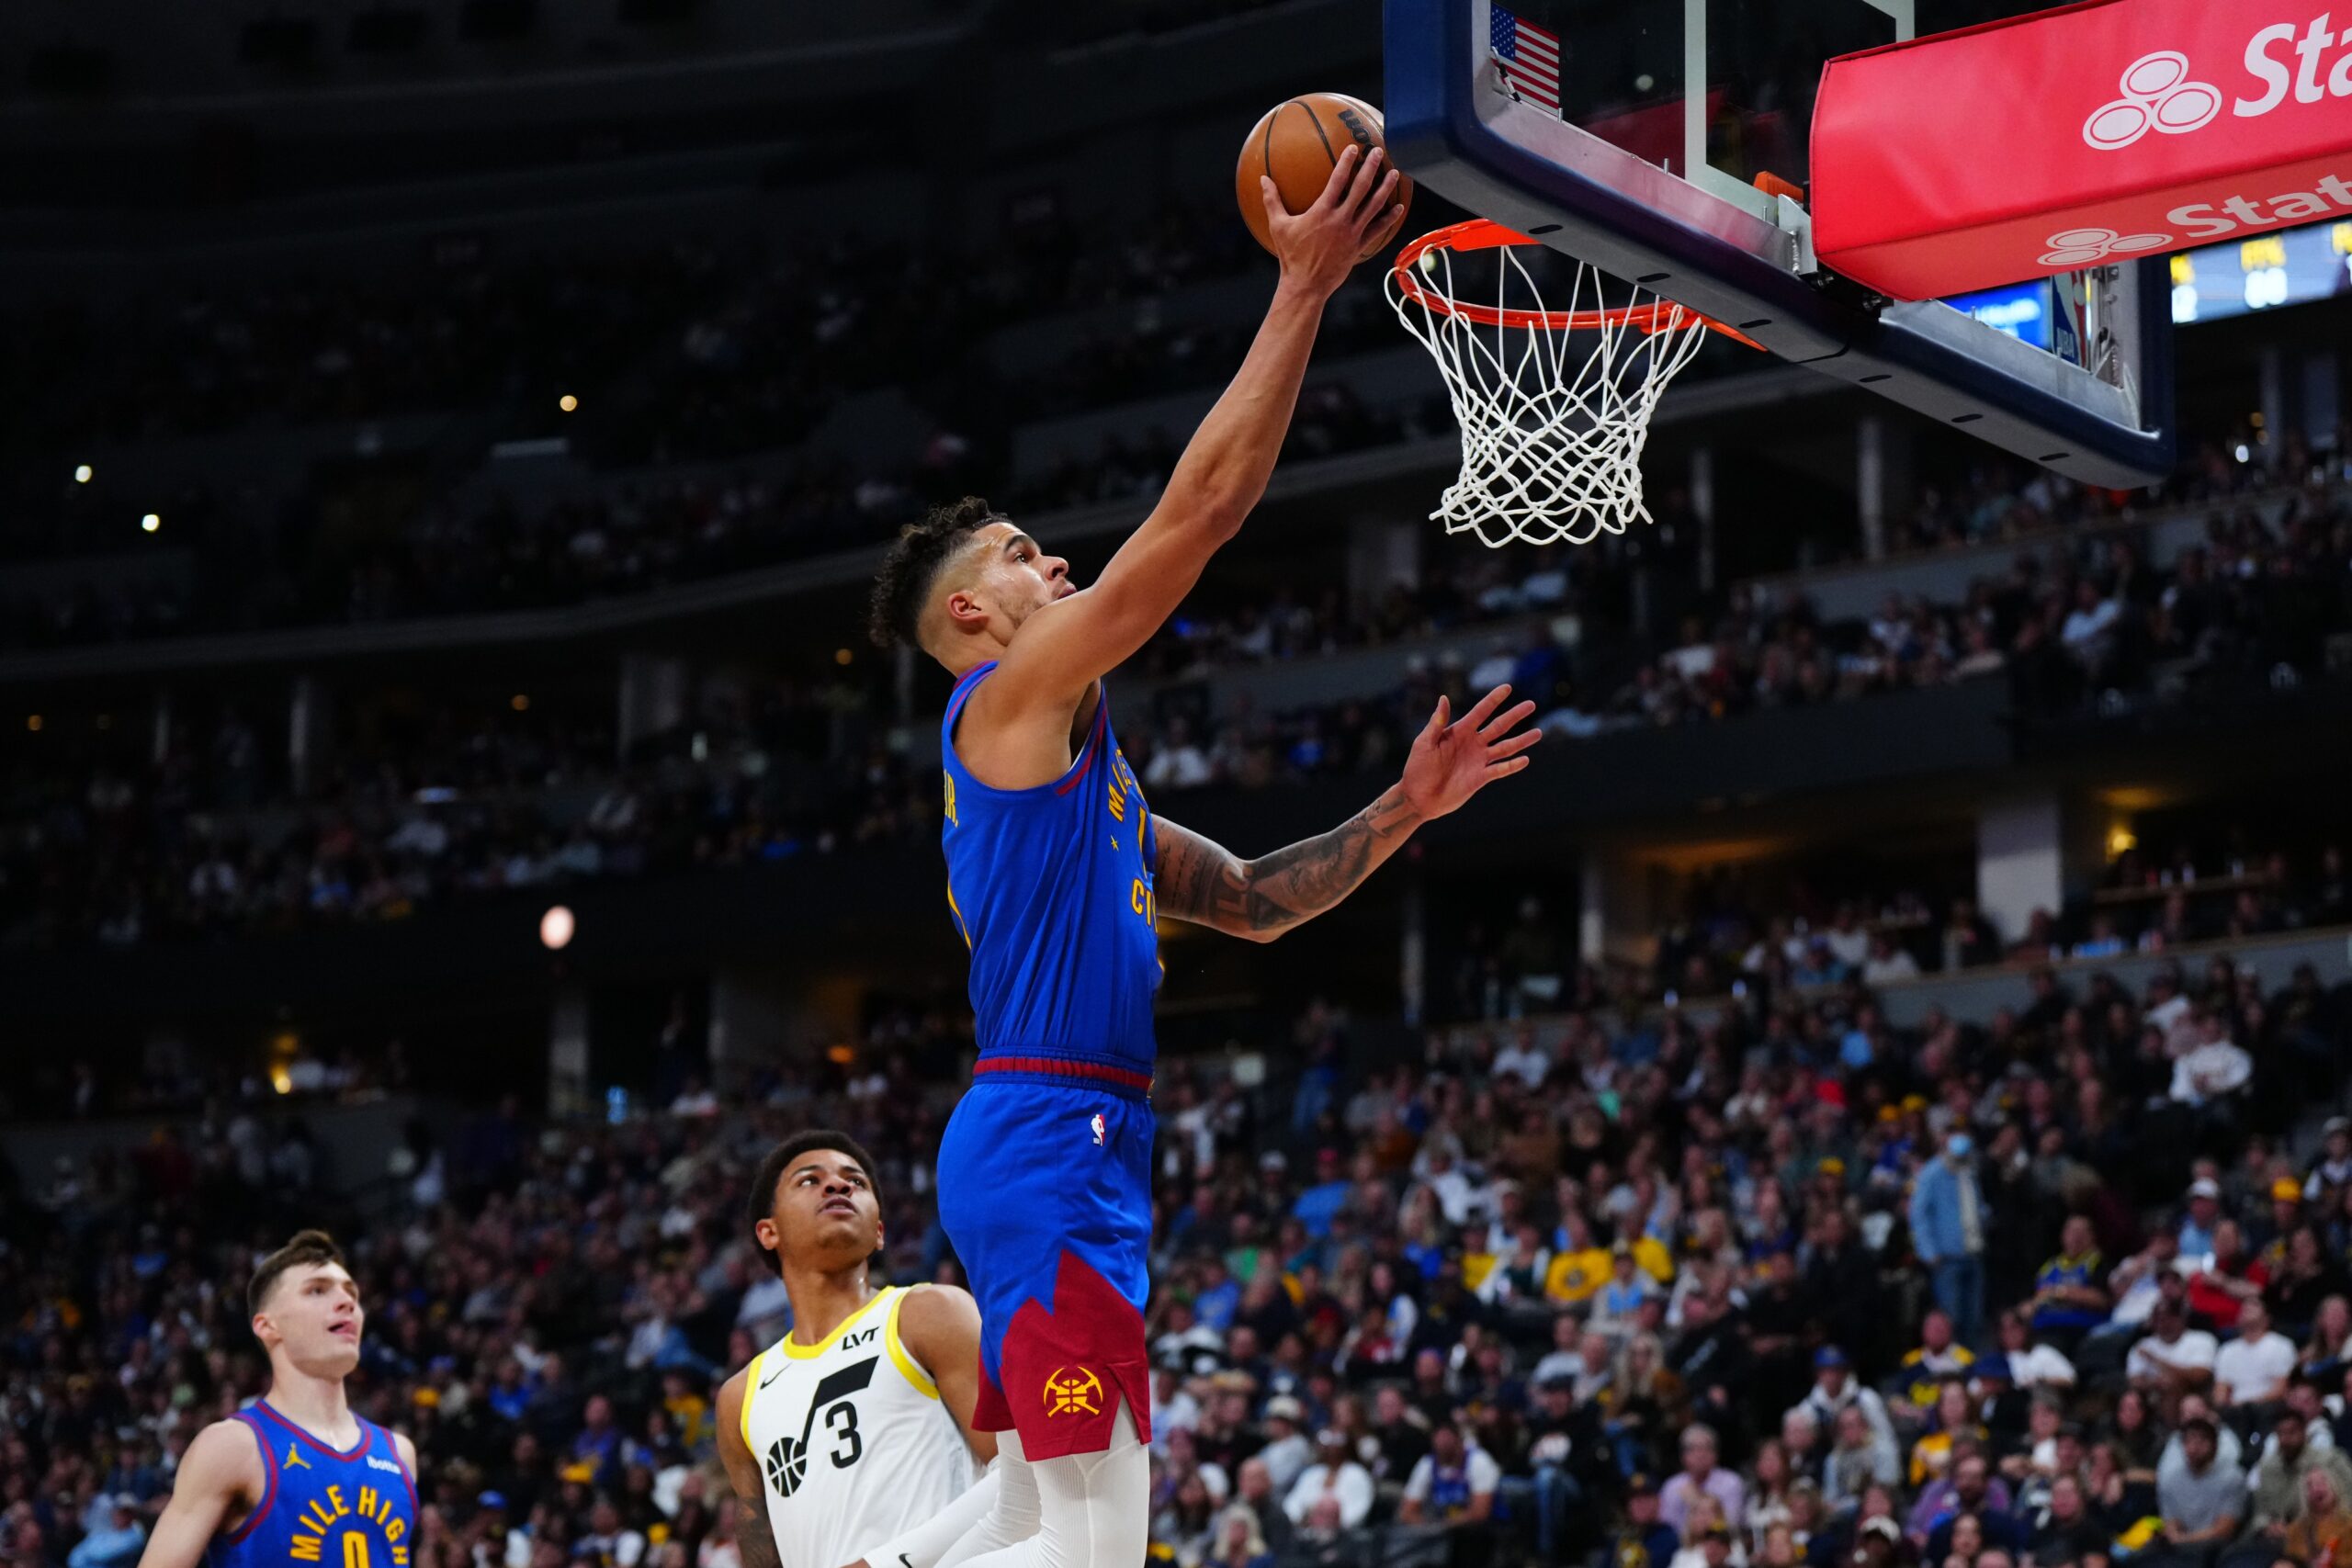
2073	137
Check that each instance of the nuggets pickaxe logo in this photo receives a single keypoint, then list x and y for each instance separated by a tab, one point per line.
1068	1390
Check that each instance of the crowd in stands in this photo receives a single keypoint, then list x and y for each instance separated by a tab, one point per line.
1789	1285
2254	602
213	839
141	850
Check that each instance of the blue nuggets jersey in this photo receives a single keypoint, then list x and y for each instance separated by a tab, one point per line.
354	1509
1051	888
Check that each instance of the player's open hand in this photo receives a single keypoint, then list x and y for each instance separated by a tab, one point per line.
1319	247
1454	759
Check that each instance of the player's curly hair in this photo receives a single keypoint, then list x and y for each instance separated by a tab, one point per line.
912	565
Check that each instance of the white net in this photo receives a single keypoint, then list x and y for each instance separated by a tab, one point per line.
1554	403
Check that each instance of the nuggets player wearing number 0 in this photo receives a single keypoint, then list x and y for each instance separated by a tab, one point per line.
298	1478
1056	872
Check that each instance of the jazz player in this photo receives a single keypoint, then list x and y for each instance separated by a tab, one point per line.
852	1433
298	1478
1056	872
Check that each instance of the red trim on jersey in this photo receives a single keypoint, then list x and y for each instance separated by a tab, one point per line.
1093	743
1064	1371
1062	1067
351	1453
269	1488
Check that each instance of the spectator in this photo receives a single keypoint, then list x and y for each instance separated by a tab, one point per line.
1334	1476
2202	1498
1453	1484
1948	1232
2281	1488
115	1543
1701	1477
2250	1372
2175	1359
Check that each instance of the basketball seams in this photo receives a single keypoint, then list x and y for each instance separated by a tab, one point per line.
1317	121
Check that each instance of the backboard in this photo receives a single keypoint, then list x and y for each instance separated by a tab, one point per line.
1632	133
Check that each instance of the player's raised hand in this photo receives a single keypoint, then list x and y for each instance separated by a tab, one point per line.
1319	247
1454	759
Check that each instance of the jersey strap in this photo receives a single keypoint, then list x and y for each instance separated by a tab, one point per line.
909	1368
252	1423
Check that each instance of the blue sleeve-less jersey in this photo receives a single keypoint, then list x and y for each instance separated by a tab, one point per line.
323	1506
1051	887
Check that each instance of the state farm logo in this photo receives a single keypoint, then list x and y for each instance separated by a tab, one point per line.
2088	247
2157	95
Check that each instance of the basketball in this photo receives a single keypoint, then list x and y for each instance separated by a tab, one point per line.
1297	142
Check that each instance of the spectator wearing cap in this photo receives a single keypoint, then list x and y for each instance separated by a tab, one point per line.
1835	1387
1335	1476
2332	1170
2196	1224
2200	1497
1287	1453
1644	1541
116	1543
1948	1220
1701	1477
2278	1488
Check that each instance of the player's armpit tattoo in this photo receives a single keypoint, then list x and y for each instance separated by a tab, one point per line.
1199	881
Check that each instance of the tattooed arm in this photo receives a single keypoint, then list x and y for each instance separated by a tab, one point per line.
753	1538
1259	899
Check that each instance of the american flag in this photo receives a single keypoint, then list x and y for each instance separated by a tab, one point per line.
1528	56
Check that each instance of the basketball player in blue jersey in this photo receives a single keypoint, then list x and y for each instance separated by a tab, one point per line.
1057	872
298	1478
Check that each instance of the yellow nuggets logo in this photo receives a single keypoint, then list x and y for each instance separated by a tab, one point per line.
1078	1390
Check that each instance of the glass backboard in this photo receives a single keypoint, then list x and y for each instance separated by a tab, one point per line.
1633	134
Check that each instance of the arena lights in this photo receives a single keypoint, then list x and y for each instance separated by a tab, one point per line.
149	522
520	702
568	403
84	474
556	928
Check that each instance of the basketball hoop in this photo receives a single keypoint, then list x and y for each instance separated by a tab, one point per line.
1552	435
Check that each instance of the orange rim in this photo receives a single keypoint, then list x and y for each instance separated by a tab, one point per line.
1486	234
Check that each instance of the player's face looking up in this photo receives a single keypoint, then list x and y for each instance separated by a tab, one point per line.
1003	578
826	1214
314	1312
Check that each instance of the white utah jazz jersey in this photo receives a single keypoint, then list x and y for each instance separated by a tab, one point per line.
852	1442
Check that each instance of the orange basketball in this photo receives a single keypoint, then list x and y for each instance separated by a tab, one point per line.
1298	142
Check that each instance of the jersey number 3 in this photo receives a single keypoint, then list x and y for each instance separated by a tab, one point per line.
787	1458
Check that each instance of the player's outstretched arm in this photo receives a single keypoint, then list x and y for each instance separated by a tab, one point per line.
1067	645
1259	899
220	1474
753	1539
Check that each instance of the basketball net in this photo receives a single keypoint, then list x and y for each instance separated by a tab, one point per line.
1554	403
